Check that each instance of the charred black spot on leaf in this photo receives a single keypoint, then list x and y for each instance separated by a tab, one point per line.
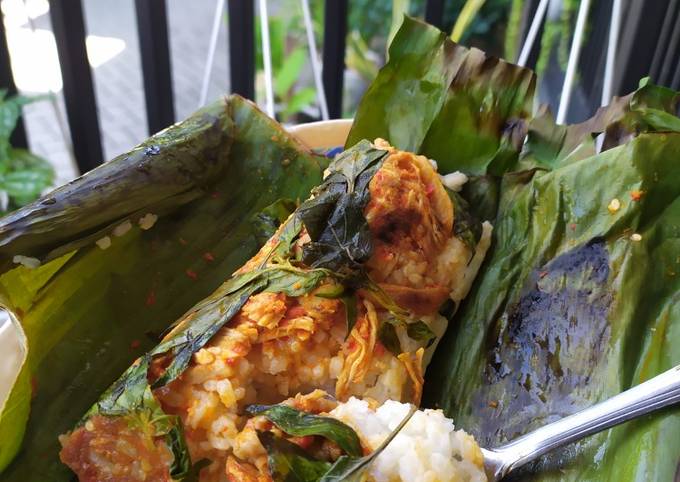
152	150
541	362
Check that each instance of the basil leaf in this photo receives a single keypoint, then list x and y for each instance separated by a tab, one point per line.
266	222
182	468
348	298
481	194
301	424
289	233
181	464
340	237
288	462
387	334
350	302
419	331
351	470
294	283
330	292
466	226
194	472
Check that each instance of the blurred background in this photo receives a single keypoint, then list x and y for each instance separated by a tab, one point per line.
86	80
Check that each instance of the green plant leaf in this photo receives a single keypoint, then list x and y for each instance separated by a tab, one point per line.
289	72
288	462
466	226
301	424
267	221
10	110
387	334
81	310
350	301
571	309
429	85
465	18
400	8
299	100
334	219
407	95
25	184
419	331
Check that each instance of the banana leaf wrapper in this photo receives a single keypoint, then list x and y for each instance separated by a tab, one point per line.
578	300
569	310
92	312
326	249
87	313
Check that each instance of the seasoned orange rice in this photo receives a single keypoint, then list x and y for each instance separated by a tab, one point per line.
278	346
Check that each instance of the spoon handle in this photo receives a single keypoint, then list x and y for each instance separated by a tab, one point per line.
658	392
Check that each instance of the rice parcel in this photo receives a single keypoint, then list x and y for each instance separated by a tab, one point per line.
385	284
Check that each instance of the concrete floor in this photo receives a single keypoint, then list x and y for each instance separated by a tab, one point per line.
117	72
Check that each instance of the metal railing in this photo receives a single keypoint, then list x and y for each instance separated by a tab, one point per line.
657	33
81	105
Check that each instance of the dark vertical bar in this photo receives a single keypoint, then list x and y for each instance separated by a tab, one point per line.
434	13
639	38
242	47
671	49
528	13
18	137
81	106
335	35
152	25
664	37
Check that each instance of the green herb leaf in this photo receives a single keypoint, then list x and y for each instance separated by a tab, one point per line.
289	463
289	72
351	470
301	424
334	219
331	292
466	227
419	331
348	298
181	468
139	283
294	282
267	221
350	301
193	475
387	334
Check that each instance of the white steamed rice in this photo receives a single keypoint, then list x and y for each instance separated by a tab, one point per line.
428	448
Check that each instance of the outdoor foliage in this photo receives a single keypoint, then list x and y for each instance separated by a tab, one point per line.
23	175
575	302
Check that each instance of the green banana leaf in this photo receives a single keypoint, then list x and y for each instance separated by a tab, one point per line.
571	308
456	105
568	309
87	313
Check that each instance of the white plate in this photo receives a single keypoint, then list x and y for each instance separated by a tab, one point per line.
315	135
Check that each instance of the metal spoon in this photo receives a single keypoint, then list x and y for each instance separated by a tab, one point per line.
659	392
